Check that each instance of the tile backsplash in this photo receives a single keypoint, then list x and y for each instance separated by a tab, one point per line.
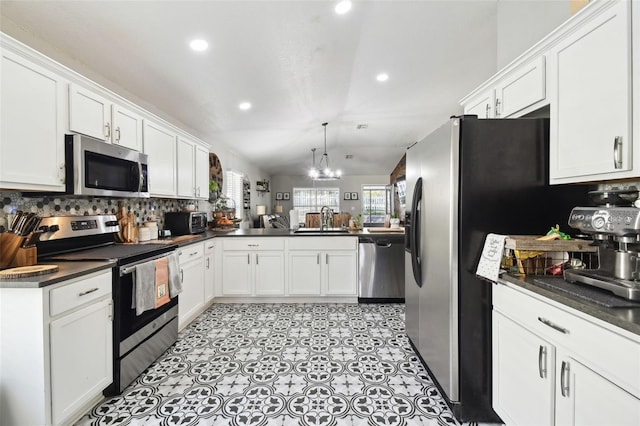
144	209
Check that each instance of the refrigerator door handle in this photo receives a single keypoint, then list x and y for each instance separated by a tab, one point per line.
415	232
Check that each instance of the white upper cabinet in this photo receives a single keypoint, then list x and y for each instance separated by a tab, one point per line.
160	146
93	115
193	169
202	172
522	88
512	93
481	104
591	100
32	125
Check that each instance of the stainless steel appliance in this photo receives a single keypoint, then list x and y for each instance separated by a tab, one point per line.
138	339
381	268
466	179
615	229
184	223
94	167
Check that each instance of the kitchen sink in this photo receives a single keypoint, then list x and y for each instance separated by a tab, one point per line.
324	231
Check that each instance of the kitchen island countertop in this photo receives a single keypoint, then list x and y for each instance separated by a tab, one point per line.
625	318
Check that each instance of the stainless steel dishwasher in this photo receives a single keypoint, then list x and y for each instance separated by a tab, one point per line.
381	265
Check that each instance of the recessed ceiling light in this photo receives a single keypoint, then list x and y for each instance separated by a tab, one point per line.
245	106
199	45
382	77
343	7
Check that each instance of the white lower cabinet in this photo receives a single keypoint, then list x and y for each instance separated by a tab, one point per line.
81	359
57	350
209	270
554	366
253	266
191	300
323	266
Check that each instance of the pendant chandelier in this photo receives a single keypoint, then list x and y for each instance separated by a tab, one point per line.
320	171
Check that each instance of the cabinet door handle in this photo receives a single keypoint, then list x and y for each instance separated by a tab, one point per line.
552	325
198	192
182	275
248	258
318	258
564	379
118	134
486	110
207	263
497	107
62	173
107	128
542	362
84	293
326	258
617	152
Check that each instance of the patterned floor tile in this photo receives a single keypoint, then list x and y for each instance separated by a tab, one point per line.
281	365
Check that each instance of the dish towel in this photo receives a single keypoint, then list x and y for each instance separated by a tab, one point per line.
161	282
143	295
175	283
489	264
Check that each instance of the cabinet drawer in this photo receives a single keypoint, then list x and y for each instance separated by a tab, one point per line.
613	355
190	252
253	244
209	246
323	243
79	292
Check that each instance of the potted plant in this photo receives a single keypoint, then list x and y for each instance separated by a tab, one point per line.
213	190
394	222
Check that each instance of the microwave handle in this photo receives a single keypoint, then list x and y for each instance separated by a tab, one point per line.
140	177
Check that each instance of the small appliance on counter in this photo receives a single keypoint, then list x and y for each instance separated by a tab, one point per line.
615	228
185	222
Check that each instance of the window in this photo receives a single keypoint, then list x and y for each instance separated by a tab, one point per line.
376	204
233	189
311	200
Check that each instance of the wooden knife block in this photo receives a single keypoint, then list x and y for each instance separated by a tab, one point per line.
12	254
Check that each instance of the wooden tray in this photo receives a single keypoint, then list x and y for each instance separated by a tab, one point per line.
531	242
27	271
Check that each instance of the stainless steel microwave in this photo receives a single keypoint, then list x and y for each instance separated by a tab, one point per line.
98	168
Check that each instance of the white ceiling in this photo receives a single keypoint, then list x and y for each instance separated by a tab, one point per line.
297	62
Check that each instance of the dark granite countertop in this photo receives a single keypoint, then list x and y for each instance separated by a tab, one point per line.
625	318
67	271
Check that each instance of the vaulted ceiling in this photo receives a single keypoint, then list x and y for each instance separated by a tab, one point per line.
297	62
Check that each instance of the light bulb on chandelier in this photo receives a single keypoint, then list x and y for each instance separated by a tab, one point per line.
319	172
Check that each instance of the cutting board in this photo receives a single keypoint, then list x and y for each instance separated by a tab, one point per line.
27	271
385	229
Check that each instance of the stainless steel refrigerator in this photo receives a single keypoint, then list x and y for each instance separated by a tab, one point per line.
466	179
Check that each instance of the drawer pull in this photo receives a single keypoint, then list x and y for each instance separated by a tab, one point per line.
564	379
211	246
253	245
193	254
84	293
542	362
552	325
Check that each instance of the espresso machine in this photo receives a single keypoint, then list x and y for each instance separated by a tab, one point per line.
614	225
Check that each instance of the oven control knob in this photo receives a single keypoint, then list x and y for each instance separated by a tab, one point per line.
598	222
54	228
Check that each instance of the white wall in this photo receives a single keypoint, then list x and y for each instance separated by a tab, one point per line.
346	184
522	23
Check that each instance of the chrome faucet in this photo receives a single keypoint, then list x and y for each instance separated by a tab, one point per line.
326	218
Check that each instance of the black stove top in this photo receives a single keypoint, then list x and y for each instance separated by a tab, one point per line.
118	252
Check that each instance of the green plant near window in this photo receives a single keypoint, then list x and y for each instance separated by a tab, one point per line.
213	186
394	216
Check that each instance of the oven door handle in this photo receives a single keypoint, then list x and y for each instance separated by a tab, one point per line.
130	268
